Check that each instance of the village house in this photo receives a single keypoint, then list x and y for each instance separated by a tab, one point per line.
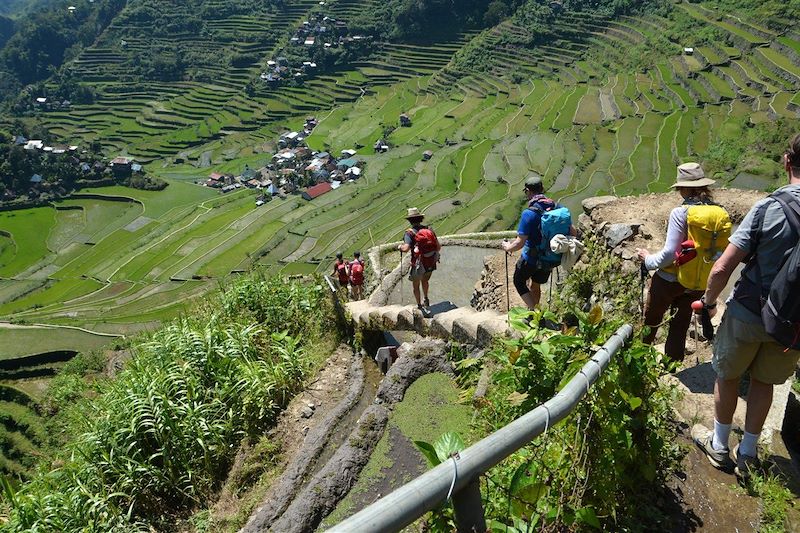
34	145
317	191
426	155
405	121
121	167
344	164
381	146
353	173
36	179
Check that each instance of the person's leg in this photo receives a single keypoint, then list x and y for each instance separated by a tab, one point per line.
534	295
681	308
521	277
772	366
735	350
726	396
415	285
659	298
426	284
759	400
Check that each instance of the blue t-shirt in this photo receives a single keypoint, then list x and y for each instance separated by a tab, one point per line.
529	224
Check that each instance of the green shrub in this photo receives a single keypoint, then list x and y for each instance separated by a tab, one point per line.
159	438
600	467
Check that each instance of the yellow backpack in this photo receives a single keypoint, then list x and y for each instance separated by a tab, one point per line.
709	226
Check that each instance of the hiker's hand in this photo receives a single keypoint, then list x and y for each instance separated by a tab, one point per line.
506	245
698	307
642	253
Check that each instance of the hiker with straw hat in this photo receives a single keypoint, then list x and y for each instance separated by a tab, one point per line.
421	241
697	234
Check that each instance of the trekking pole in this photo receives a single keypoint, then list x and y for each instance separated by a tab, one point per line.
642	277
508	298
696	339
401	277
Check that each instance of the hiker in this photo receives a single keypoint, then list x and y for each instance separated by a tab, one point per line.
421	241
357	276
541	220
760	329
683	264
341	271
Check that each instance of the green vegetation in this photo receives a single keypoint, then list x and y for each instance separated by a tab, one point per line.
599	467
158	439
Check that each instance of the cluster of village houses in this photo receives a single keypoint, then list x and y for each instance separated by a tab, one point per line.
295	168
86	164
319	30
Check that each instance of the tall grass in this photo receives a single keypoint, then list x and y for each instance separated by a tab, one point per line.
159	439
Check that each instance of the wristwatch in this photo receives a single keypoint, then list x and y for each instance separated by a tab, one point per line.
707	305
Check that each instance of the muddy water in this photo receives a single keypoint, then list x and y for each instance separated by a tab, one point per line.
455	277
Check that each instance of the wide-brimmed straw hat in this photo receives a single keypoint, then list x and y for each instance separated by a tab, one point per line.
413	212
692	175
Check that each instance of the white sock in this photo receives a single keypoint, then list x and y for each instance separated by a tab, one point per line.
721	434
749	445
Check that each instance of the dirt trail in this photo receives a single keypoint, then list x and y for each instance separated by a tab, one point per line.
701	497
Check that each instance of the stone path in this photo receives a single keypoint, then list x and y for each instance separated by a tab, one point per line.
462	324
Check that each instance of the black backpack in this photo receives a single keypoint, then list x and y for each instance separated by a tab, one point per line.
780	307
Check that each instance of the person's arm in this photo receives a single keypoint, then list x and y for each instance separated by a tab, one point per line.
721	273
676	233
405	246
526	222
517	244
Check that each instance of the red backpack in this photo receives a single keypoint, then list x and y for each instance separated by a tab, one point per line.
356	273
426	247
341	270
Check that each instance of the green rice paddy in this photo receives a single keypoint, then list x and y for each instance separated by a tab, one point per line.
123	266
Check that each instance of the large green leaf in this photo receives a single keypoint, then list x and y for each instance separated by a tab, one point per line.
586	515
428	451
448	444
519	318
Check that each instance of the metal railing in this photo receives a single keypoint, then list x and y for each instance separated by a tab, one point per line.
460	476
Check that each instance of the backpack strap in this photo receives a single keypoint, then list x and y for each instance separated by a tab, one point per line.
541	203
756	230
791	208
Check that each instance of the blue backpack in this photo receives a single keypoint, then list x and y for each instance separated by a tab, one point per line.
554	220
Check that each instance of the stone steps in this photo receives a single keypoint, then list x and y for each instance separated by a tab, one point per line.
462	324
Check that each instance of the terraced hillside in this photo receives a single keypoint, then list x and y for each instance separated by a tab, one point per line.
492	107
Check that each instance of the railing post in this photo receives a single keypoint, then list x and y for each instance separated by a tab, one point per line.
468	506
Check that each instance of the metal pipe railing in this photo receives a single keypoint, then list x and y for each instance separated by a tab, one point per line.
403	506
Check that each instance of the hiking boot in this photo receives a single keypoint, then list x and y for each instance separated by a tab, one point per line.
702	437
745	465
426	313
426	303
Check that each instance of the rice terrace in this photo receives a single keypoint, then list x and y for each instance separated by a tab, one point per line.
166	164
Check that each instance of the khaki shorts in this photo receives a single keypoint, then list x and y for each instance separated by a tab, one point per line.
741	346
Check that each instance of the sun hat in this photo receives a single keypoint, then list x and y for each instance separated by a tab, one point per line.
692	175
413	212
